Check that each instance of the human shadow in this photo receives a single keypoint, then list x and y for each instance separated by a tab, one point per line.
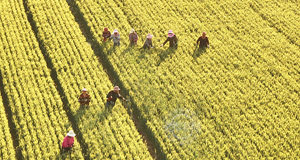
199	51
165	54
113	48
144	51
62	155
80	112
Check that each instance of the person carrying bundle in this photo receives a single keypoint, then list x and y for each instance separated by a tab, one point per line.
172	39
68	142
84	98
106	34
112	97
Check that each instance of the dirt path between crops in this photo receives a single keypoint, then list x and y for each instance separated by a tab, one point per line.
114	78
59	88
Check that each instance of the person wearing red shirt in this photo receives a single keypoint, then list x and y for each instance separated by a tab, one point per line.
106	34
68	142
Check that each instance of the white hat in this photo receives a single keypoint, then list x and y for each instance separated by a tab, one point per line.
132	30
117	88
170	31
84	89
115	31
71	133
149	36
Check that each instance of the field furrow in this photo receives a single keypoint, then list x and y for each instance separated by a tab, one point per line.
77	67
36	106
7	150
247	76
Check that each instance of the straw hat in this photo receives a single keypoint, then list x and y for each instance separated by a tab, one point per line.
115	31
132	30
149	36
71	133
117	88
84	90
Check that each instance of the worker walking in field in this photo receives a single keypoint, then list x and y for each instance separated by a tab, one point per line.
84	98
172	39
112	97
148	43
133	37
203	41
116	38
106	34
68	142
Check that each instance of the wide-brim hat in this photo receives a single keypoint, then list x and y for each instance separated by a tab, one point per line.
84	90
116	88
115	31
132	30
149	36
71	133
170	34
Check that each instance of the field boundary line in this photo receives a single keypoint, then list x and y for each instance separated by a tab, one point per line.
59	88
138	120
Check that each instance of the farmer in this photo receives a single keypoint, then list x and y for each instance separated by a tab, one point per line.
112	97
84	98
172	39
68	142
116	38
203	41
106	34
133	37
148	43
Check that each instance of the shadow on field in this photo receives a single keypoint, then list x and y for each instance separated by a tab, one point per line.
101	114
114	48
80	112
165	54
62	156
198	52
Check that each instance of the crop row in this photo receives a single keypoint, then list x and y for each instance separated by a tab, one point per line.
7	150
242	93
36	106
287	23
105	134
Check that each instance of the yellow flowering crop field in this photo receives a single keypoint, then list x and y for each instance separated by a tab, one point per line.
237	99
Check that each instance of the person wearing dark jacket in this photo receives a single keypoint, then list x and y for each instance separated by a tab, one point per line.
106	34
112	97
84	99
172	39
203	41
148	43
